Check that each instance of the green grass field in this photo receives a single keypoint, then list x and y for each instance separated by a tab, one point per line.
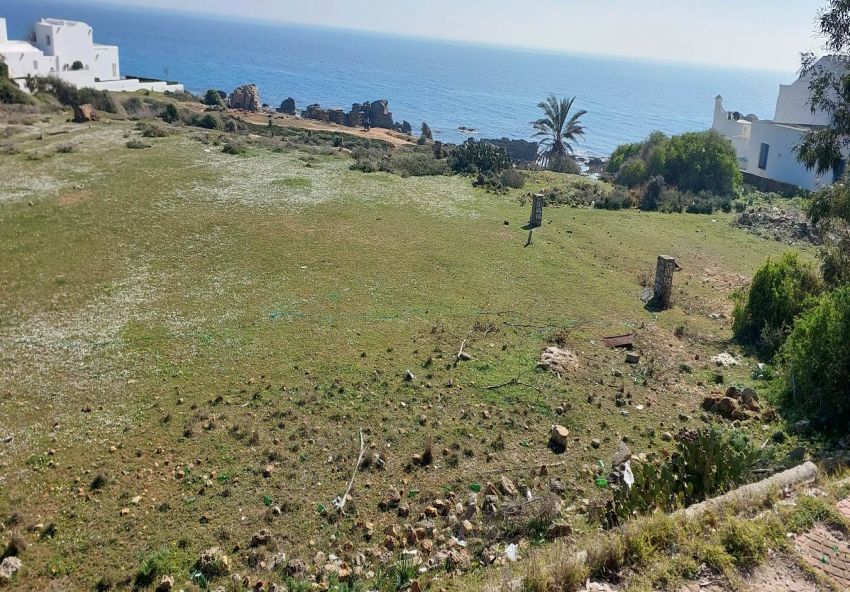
179	311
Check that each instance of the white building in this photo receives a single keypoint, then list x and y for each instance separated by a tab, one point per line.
66	50
765	148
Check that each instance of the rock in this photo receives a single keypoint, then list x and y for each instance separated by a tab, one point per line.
261	538
268	470
725	360
409	376
684	417
467	528
379	114
667	436
558	438
559	530
287	107
125	511
559	361
507	487
85	113
214	562
336	116
315	112
632	358
797	454
727	407
165	584
518	150
245	97
622	456
802	427
9	567
595	443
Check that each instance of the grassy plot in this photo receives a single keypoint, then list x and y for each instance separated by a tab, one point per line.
205	334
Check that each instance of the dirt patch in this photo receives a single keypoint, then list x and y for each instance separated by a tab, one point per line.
73	198
779	574
780	224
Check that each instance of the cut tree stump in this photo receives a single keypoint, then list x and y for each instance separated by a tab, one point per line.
664	282
536	210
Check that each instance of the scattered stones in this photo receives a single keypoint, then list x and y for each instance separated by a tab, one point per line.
214	562
632	358
560	361
409	376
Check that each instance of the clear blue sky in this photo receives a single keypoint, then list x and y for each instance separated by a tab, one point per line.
763	34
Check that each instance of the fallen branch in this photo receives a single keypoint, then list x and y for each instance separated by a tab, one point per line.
460	352
339	502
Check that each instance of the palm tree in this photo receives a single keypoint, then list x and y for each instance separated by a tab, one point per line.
560	129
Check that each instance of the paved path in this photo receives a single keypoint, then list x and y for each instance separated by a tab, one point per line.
827	551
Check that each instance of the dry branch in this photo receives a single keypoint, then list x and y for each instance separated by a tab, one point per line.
339	502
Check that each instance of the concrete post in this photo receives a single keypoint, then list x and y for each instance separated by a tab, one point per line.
536	210
664	281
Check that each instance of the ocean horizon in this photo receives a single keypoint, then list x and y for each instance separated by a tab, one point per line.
451	85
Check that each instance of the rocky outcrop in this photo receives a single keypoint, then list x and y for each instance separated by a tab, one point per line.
246	97
336	116
518	150
287	107
315	112
85	113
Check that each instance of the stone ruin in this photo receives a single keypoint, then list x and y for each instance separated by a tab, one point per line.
246	97
369	114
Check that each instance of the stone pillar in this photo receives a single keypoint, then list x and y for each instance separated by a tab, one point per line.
664	281
536	210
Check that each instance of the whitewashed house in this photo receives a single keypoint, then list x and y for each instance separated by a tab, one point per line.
66	50
765	148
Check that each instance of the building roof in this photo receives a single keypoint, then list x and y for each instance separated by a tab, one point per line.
12	46
62	22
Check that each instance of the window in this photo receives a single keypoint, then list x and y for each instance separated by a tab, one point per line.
48	40
35	64
763	156
115	70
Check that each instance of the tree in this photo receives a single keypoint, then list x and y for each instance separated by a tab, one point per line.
426	132
170	115
213	98
822	148
558	128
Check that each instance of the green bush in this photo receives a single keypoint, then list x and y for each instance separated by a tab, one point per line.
566	165
616	199
234	148
705	463
815	360
652	194
4	70
623	153
778	293
11	94
473	157
632	173
206	121
512	178
701	161
213	98
137	144
71	96
170	114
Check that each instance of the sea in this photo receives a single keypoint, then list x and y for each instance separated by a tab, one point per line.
491	90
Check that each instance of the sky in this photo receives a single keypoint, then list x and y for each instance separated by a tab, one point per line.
758	34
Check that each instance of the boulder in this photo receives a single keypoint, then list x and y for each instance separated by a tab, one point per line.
214	562
336	116
518	150
9	567
727	407
315	112
725	360
245	97
355	117
379	115
85	113
557	360
507	487
287	107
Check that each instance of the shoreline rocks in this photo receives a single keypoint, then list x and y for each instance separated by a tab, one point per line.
245	97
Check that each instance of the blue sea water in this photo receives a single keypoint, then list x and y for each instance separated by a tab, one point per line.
449	85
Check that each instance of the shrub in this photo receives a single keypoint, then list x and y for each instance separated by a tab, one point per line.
706	462
234	148
207	121
778	293
150	130
632	173
213	98
617	199
170	114
565	165
64	148
512	178
4	70
11	94
701	161
622	153
137	144
815	359
652	193
77	66
70	96
473	157
407	163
